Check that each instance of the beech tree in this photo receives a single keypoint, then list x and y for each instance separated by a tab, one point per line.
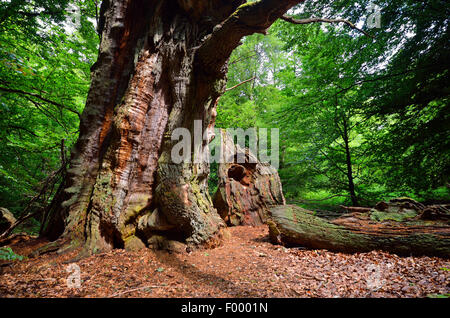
161	66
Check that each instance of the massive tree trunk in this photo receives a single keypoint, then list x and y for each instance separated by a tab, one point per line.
161	65
402	232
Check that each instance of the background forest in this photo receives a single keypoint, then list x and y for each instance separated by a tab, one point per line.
361	118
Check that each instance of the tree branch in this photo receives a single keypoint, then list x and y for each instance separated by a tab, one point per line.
241	83
18	91
248	18
22	128
242	58
47	113
324	20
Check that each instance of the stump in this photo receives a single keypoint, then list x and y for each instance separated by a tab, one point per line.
246	190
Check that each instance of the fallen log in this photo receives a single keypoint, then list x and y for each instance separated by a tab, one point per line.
16	238
358	232
355	208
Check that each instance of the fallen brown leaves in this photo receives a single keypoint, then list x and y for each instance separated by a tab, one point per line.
247	265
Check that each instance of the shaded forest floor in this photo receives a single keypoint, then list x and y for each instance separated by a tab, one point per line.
247	265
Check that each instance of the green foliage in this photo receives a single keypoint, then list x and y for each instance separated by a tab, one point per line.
438	296
352	109
44	77
7	254
30	226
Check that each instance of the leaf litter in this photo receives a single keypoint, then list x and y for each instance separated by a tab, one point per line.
246	265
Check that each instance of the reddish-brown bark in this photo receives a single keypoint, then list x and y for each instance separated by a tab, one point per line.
161	65
246	190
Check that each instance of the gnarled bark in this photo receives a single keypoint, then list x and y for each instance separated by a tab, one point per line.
358	232
246	190
161	65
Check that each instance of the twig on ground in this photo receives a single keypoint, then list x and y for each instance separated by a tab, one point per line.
133	290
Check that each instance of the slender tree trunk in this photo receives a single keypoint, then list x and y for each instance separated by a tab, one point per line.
348	161
161	65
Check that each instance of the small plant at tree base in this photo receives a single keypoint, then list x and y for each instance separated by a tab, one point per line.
7	254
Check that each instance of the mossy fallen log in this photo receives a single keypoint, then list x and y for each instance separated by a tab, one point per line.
358	232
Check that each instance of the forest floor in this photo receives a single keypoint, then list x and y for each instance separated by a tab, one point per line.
246	265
